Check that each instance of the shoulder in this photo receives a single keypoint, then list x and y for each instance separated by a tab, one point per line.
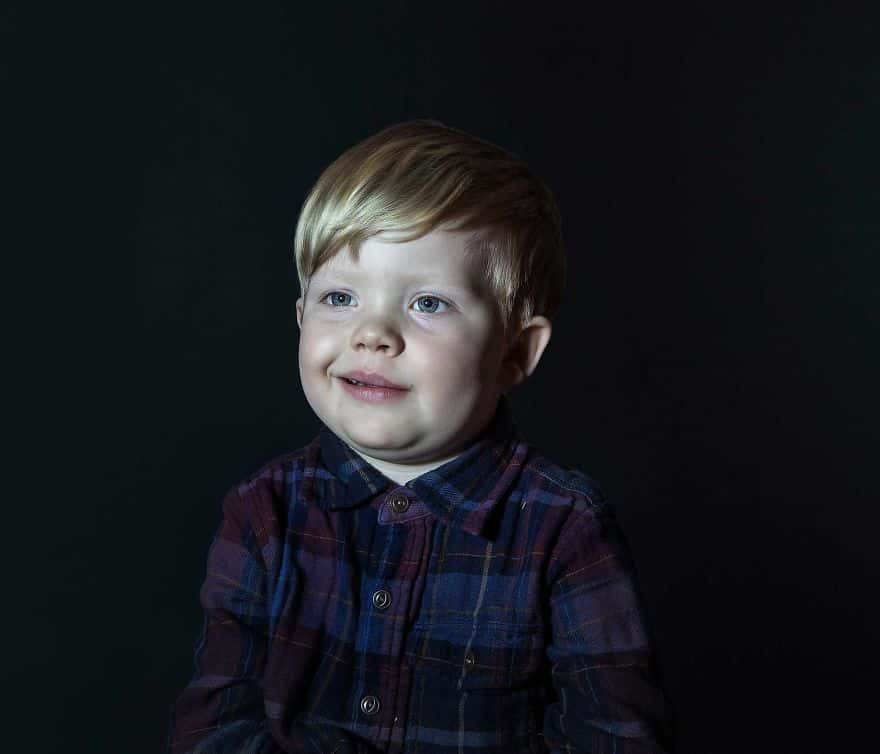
579	522
279	473
553	484
570	502
264	496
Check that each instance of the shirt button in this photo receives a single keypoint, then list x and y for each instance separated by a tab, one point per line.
469	659
370	705
381	599
399	503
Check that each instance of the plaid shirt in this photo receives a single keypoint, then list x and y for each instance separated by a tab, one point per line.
488	605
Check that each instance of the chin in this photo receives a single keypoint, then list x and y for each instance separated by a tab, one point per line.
376	442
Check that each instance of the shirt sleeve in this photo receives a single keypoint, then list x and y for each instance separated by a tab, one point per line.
223	709
608	697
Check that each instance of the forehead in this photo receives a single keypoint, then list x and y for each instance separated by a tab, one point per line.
440	255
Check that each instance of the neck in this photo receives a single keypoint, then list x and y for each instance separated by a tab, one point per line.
403	472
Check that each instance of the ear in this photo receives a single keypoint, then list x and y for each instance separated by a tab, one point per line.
299	312
525	351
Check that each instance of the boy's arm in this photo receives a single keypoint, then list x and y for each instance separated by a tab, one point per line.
223	709
608	695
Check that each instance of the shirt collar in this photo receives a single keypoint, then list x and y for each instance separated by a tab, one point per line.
462	492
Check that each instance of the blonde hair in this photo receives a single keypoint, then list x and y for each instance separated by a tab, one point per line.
411	178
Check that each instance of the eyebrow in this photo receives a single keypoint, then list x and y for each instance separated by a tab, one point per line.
426	279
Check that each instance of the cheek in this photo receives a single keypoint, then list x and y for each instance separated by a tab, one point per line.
452	369
316	350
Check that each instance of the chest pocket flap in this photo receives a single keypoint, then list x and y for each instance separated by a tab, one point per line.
493	658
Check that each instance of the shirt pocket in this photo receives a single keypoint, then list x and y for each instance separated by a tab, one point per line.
486	685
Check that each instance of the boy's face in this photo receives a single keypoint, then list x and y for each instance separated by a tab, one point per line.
419	315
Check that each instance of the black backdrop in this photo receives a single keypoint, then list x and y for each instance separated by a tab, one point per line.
714	365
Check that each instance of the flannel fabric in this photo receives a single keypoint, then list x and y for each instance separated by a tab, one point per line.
488	605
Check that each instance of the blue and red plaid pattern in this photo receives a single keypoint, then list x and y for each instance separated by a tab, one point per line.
488	605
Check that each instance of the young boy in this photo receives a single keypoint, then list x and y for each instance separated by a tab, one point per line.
419	578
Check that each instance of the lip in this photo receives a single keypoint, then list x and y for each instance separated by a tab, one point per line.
373	394
370	379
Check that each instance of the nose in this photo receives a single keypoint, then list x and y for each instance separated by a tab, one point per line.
377	334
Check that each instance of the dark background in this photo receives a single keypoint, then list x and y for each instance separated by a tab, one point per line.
714	366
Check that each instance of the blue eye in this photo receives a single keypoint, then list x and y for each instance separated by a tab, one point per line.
338	298
430	304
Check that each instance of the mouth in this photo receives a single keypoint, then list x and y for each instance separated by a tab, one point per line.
372	389
370	379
